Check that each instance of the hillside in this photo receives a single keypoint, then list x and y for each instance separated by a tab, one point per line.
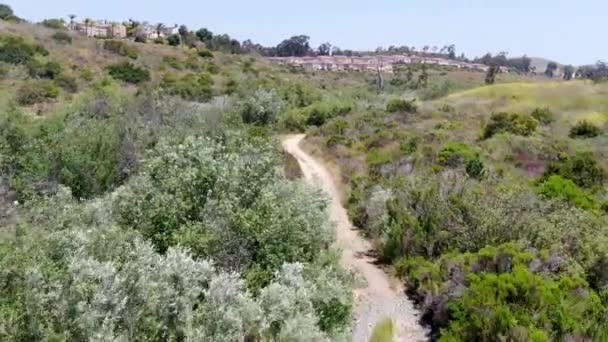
144	195
493	186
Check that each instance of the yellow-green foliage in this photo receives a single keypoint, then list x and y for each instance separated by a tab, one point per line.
121	48
384	331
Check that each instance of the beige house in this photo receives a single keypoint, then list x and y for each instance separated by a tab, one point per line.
100	29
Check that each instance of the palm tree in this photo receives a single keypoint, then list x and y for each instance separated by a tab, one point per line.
159	29
72	17
87	22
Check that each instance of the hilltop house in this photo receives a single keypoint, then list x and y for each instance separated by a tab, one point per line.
100	29
152	32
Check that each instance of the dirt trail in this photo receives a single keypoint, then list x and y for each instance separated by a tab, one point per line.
382	296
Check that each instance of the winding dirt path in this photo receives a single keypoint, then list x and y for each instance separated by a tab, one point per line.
382	297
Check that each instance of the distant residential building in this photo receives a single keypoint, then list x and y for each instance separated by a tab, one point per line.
152	31
100	29
370	63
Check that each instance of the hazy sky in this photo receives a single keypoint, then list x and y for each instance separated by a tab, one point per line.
568	31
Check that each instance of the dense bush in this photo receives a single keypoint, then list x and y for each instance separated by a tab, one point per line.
510	123
62	37
129	72
543	115
16	50
501	293
315	114
456	154
226	202
190	87
121	48
261	107
173	62
174	40
75	274
581	168
585	129
39	69
33	92
205	53
558	187
67	82
401	105
57	24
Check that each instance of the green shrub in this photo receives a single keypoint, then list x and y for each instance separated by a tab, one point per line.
15	50
491	293
377	157
128	72
475	168
67	82
212	68
510	123
401	105
543	115
318	113
57	24
558	187
86	74
205	53
174	40
4	69
38	69
261	107
33	92
62	37
173	62
384	331
582	169
454	154
190	87
585	129
6	12
121	48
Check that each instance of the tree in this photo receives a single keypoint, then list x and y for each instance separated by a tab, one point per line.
551	68
491	74
6	12
87	23
294	46
159	29
452	51
324	49
183	33
423	78
72	17
204	35
568	72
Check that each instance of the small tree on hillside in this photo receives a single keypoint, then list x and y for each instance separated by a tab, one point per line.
568	72
183	33
491	74
204	35
551	68
324	49
6	12
159	29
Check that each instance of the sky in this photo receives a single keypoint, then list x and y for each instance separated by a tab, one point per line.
569	31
